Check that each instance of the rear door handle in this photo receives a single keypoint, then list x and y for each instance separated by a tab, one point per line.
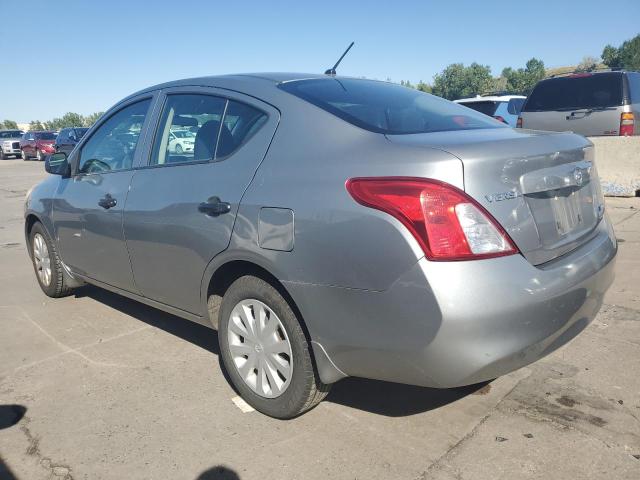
107	202
214	207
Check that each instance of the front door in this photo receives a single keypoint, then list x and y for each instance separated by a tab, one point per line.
182	206
88	207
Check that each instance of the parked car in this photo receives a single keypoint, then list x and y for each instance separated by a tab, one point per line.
591	104
331	227
504	108
10	143
181	141
67	138
37	144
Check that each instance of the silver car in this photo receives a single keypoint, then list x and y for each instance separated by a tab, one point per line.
588	103
331	227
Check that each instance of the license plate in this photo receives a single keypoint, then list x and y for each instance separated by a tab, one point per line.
568	210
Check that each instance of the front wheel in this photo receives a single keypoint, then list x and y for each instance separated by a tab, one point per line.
47	263
39	155
265	351
179	149
24	155
2	155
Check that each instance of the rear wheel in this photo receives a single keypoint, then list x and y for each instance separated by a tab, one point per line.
265	350
39	155
46	263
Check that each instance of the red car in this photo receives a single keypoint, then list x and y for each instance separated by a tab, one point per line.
37	144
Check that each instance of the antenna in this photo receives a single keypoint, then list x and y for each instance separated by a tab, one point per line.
332	71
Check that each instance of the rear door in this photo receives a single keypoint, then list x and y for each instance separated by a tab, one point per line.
182	207
586	103
87	210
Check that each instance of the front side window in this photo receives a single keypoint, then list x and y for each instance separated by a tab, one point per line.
113	145
386	108
199	128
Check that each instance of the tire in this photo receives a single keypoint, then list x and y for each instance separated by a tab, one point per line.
39	156
25	157
56	286
2	155
178	149
302	389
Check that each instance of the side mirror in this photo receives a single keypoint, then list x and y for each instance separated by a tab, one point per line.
57	164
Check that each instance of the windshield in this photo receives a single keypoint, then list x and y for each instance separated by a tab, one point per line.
11	134
586	90
45	135
386	107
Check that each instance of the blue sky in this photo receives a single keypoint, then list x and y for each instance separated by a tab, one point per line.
83	56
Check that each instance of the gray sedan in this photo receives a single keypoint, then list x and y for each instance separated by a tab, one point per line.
331	227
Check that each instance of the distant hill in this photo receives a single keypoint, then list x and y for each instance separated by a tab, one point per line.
561	70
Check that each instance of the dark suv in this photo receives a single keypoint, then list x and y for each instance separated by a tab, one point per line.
68	137
591	104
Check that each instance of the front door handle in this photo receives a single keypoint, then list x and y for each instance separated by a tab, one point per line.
214	207
107	202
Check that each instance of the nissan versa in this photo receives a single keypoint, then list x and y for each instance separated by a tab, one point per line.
331	227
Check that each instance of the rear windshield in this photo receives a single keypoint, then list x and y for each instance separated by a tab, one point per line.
488	108
600	90
386	107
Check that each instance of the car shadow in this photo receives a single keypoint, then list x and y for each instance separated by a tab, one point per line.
382	398
199	335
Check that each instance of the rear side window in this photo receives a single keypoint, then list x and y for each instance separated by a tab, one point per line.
515	106
385	107
634	86
488	108
197	128
587	90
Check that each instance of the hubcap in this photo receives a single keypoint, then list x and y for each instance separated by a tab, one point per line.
260	348
41	259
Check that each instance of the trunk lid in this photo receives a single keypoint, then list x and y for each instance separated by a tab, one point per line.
541	187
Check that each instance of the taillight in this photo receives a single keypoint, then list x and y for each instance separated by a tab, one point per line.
446	222
499	118
519	123
627	123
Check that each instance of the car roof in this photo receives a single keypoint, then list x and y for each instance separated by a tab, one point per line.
489	98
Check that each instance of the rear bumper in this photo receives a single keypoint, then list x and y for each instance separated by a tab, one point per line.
446	324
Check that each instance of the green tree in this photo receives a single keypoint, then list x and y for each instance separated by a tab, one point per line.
91	119
36	125
626	56
69	119
423	87
587	64
630	54
457	81
611	56
9	124
523	80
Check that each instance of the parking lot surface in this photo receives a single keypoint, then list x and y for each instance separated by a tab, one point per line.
107	388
